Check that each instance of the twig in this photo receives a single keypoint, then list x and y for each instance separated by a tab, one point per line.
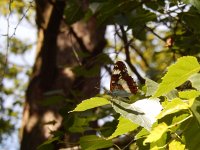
140	54
10	37
152	31
8	43
127	53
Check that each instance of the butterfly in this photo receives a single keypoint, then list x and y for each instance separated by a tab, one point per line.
122	84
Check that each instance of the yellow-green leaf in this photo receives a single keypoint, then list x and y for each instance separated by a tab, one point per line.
124	126
176	145
177	74
156	133
151	86
174	106
189	94
91	103
194	79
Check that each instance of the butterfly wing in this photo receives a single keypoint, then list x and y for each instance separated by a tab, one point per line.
121	83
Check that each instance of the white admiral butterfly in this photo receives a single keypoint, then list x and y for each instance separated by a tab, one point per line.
121	83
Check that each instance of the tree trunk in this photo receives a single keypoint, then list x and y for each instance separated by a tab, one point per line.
57	53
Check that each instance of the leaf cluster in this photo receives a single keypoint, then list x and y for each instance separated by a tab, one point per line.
174	126
171	106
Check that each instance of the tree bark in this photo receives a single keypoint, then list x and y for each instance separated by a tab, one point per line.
57	48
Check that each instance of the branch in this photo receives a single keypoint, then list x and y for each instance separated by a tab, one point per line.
152	31
139	53
79	40
127	53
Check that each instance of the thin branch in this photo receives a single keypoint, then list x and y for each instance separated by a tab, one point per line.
10	37
23	16
8	43
140	54
152	31
79	40
127	53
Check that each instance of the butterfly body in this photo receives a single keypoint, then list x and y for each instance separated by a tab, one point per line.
122	84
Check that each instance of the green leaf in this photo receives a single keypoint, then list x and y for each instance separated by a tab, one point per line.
108	128
52	100
172	94
140	112
172	107
192	135
196	109
93	142
138	19
46	144
91	103
115	11
177	74
178	120
191	95
151	87
188	18
141	17
194	79
143	133
176	145
73	12
92	71
161	142
79	124
156	133
107	10
124	126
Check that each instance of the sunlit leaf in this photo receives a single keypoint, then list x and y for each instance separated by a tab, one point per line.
177	74
142	112
151	87
189	94
91	103
177	120
194	79
143	133
156	133
160	143
124	126
172	107
176	145
172	94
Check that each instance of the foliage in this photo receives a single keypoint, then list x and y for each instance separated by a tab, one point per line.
149	36
139	40
175	119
